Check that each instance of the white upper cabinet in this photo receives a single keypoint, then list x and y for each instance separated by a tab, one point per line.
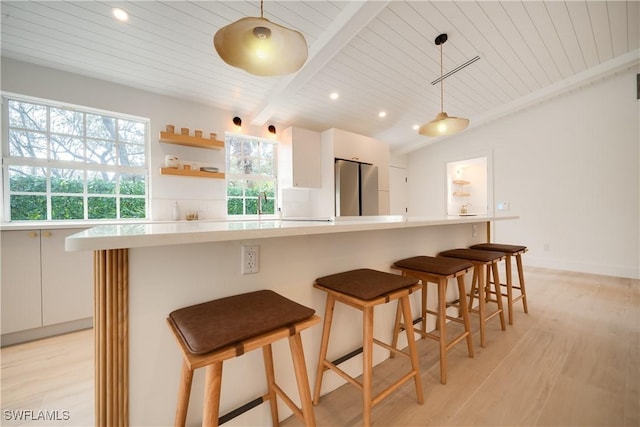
351	146
299	158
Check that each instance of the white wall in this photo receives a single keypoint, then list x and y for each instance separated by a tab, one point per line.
569	169
205	195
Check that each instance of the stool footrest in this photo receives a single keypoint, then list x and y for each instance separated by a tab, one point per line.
242	409
347	356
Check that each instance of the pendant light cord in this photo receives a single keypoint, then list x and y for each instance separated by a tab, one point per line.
261	13
441	82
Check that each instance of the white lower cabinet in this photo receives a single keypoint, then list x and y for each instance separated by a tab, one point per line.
42	284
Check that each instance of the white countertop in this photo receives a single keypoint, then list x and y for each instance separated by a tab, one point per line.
119	236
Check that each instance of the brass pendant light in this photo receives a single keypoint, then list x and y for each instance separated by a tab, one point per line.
261	47
443	124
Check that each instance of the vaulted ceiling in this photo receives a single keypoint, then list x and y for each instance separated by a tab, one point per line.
378	55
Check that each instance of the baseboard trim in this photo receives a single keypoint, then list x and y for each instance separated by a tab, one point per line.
45	331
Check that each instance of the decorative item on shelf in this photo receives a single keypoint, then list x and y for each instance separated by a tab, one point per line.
171	128
261	47
464	209
460	191
184	131
213	135
187	167
192	215
198	133
171	161
443	124
210	169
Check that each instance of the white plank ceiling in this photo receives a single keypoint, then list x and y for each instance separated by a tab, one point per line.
379	55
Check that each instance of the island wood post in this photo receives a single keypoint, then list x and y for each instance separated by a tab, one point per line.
111	331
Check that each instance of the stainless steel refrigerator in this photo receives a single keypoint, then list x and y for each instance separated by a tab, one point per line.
356	188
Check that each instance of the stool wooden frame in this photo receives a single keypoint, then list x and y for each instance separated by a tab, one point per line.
367	307
213	378
510	286
481	284
441	316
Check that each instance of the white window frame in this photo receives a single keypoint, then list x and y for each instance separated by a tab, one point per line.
84	167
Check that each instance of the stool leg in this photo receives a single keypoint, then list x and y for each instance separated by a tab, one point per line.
326	331
521	280
213	381
184	392
509	288
442	314
367	362
465	314
267	355
396	330
423	306
478	272
496	284
413	351
297	353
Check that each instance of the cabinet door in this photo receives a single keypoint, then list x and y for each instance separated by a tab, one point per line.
351	146
306	158
67	279
21	292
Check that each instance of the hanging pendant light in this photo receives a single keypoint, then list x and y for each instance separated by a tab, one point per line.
261	47
443	124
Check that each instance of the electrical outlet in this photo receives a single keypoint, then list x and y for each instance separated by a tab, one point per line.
474	230
250	259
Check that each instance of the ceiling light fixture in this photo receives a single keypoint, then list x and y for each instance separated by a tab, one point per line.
261	47
334	95
272	129
237	121
443	124
120	14
382	114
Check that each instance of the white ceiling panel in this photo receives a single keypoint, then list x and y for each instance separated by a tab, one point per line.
379	55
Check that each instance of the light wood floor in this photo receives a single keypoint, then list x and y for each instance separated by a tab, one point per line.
574	360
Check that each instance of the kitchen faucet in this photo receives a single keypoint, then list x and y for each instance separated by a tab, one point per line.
262	201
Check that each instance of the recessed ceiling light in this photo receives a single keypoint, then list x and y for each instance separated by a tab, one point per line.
416	127
334	95
120	14
382	114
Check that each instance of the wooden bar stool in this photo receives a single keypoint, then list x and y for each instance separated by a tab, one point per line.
214	331
484	264
510	252
364	289
438	270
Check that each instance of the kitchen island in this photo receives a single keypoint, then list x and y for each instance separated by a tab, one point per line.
145	271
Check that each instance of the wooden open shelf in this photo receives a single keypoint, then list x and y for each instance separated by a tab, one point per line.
461	182
191	141
196	173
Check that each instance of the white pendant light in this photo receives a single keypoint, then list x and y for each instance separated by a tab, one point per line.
443	124
261	47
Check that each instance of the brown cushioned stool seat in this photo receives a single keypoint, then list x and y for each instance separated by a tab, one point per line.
364	289
438	270
214	331
485	263
510	251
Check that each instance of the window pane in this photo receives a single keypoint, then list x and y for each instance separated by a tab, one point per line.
27	116
67	148
132	132
28	208
102	207
27	179
101	182
67	122
31	145
251	206
67	207
67	181
101	127
101	152
131	155
235	187
235	207
132	184
132	208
